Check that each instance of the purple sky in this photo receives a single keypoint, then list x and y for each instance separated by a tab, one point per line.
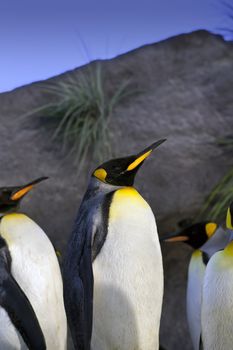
45	38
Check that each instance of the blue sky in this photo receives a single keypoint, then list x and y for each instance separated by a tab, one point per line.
40	39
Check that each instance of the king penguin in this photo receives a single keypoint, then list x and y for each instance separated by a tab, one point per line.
32	314
206	238
114	251
217	303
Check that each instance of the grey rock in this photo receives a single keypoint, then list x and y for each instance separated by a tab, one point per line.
185	95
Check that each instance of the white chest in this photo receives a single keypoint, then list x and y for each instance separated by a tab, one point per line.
36	269
9	337
194	296
217	317
128	277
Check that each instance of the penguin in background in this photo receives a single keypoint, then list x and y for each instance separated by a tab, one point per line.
113	273
217	302
32	314
206	238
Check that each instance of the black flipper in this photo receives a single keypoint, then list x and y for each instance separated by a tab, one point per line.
86	241
78	289
161	347
201	344
17	305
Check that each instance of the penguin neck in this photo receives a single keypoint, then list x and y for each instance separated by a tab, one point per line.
217	241
230	234
97	187
9	211
3	214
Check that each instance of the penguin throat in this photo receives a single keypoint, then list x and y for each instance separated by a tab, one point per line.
99	186
4	210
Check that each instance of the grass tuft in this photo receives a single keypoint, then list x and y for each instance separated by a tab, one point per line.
226	141
216	204
82	111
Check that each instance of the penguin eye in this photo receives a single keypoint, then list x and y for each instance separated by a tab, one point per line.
116	168
5	192
193	232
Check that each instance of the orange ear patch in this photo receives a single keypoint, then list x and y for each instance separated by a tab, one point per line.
210	228
229	220
100	174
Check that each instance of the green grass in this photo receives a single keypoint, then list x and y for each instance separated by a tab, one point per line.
216	204
225	142
81	112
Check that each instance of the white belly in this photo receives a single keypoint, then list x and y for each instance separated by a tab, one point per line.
10	339
217	308
128	277
36	269
194	296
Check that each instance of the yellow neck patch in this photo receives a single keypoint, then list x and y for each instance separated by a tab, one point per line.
197	254
100	174
124	201
210	228
139	160
229	250
229	223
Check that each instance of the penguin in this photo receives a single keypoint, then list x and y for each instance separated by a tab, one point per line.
217	301
113	273
32	313
205	238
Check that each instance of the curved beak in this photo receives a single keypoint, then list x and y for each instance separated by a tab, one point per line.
174	237
141	156
21	191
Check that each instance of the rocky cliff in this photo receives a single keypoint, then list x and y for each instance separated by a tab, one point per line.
185	94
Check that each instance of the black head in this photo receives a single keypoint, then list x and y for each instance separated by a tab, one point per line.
10	197
229	218
122	171
195	235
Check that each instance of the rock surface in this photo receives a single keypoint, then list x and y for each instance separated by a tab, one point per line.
185	95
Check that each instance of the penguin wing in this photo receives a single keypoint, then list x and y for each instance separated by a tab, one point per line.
78	286
18	307
86	242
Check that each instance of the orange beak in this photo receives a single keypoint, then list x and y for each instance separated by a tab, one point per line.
23	190
174	237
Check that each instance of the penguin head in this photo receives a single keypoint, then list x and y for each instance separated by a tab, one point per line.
195	235
229	218
10	197
122	171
